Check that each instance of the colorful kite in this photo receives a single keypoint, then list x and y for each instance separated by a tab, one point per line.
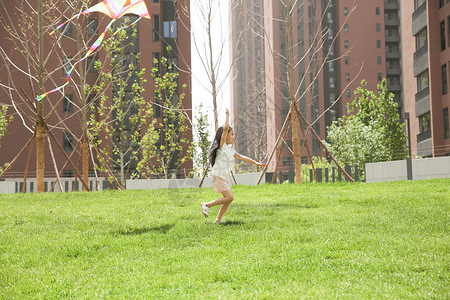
114	9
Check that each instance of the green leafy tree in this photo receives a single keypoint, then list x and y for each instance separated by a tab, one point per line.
173	147
353	143
203	142
371	133
380	112
117	124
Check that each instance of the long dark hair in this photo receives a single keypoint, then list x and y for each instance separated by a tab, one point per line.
215	145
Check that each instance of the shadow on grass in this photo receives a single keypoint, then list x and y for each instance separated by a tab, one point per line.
231	223
282	205
137	231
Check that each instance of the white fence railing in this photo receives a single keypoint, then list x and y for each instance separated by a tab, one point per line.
15	185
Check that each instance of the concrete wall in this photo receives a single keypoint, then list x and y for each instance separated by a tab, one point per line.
438	167
7	187
150	184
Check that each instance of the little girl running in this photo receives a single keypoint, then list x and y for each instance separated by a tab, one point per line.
221	156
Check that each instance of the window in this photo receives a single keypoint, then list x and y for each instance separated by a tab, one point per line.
378	27
380	76
155	1
67	141
379	60
347	77
92	100
346	44
421	39
329	17
91	26
90	61
347	93
377	11
418	3
288	161
331	66
157	102
67	64
347	60
330	33
332	97
170	29
424	122
68	103
441	3
172	63
331	81
378	43
345	27
157	61
446	124
422	81
156	30
331	50
444	79
448	31
67	28
442	28
345	11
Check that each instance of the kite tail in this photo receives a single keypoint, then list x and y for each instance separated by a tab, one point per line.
64	23
92	49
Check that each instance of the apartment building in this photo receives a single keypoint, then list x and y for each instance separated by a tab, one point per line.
425	66
335	45
169	25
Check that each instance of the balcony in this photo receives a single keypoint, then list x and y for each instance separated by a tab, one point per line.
424	144
419	11
422	51
391	22
420	64
391	5
393	55
393	71
422	103
422	94
423	136
394	87
419	18
392	38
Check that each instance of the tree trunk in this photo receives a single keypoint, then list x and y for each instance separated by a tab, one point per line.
40	126
40	163
213	75
290	78
122	169
296	144
85	160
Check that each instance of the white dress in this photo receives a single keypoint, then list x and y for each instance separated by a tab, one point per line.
224	162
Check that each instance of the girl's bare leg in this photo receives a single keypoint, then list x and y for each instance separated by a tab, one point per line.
225	202
222	211
227	198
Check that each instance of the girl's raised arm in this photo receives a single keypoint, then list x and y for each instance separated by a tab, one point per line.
248	159
225	129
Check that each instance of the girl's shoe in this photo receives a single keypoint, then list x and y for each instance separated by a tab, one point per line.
205	210
219	222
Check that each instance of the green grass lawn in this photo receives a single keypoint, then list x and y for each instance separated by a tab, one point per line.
384	240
